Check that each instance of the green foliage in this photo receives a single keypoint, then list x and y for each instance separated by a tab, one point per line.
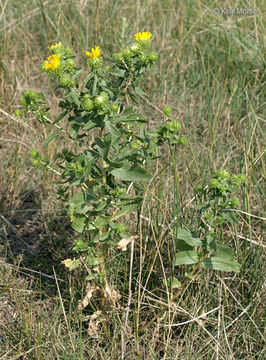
97	180
100	174
214	212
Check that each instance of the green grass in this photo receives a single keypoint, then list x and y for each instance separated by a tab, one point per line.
211	71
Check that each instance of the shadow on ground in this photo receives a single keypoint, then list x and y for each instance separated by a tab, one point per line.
34	240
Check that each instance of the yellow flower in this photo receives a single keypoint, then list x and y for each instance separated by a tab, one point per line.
143	36
95	53
56	45
52	62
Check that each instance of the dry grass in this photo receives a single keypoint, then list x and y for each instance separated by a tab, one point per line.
211	71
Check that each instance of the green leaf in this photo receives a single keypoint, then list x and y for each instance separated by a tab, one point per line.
73	131
93	260
116	134
224	252
94	276
128	110
60	117
139	91
50	138
130	118
117	72
78	223
71	264
203	206
134	174
126	209
176	283
181	245
217	263
77	73
186	236
102	148
186	257
101	222
72	97
133	97
229	216
89	125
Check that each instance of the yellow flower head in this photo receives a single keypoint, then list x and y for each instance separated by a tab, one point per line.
95	53
52	62
56	45
143	36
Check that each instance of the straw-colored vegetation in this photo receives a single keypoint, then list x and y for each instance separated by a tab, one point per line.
211	72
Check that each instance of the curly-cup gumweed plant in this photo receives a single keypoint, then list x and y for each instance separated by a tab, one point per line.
106	179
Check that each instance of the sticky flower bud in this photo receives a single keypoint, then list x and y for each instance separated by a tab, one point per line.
182	141
68	51
135	48
126	54
143	59
86	96
95	63
88	105
18	113
173	126
69	64
66	81
214	183
234	202
167	110
118	57
22	101
223	174
34	154
30	94
101	100
152	57
114	108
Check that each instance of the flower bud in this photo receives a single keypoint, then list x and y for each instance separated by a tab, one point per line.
234	202
101	100
214	183
167	110
182	141
69	64
68	51
223	174
173	126
199	188
143	59
153	57
34	154
18	113
126	54
95	63
242	178
114	108
66	81
30	94
22	101
86	96
88	105
118	57
135	48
